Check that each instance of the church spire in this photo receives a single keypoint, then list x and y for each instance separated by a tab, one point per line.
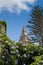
24	29
24	36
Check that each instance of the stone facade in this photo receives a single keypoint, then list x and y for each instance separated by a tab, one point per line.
2	33
2	29
24	37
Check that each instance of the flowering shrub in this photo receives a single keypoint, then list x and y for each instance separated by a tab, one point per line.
21	54
26	54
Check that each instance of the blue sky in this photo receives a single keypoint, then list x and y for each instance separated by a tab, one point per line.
16	13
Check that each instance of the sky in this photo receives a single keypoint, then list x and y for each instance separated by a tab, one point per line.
16	13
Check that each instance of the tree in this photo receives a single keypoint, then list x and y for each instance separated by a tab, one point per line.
36	25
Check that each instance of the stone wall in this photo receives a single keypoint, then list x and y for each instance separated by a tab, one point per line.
2	29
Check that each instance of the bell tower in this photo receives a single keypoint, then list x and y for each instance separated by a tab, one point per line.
24	36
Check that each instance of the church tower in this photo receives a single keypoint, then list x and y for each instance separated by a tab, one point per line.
2	30
2	33
2	27
24	36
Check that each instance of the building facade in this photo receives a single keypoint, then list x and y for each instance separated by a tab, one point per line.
2	27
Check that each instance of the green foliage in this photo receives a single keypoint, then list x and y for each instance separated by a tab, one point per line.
20	54
38	60
35	24
25	54
6	55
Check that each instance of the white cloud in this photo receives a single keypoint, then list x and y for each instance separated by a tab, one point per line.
15	5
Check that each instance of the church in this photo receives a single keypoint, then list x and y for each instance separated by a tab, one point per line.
24	36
